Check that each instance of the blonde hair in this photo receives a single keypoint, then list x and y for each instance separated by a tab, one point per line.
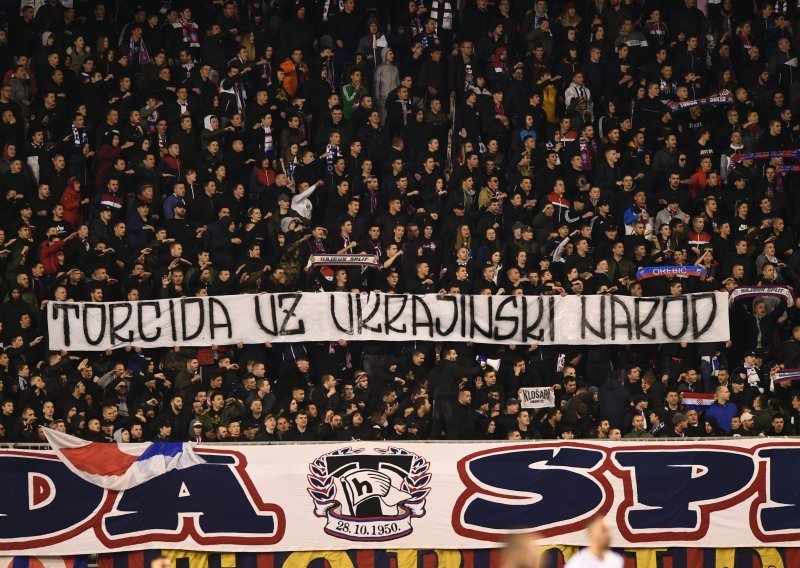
249	46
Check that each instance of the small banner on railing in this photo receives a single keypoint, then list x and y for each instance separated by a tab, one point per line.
537	397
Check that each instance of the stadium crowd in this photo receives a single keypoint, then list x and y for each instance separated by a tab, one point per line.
163	149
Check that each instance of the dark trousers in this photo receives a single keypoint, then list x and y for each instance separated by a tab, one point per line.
444	412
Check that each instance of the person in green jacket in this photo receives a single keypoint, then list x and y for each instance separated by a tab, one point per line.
222	412
638	430
352	93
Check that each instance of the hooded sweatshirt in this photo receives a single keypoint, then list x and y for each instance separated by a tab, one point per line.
209	133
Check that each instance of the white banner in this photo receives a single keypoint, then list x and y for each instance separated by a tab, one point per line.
402	495
259	318
537	397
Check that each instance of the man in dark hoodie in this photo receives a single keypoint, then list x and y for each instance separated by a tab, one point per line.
196	433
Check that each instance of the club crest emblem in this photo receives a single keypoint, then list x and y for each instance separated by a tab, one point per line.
369	496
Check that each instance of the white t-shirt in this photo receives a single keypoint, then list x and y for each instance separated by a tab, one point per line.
585	559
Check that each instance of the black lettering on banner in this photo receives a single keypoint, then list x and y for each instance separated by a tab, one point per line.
473	323
500	318
212	320
140	306
173	323
551	303
625	324
291	313
101	335
115	327
698	332
418	305
585	325
527	330
452	300
260	319
463	317
363	321
639	322
684	316
389	321
335	319
201	319
65	308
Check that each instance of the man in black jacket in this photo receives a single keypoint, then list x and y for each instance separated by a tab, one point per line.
463	424
614	401
444	384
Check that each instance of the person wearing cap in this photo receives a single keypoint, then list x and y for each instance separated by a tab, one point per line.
177	196
746	427
670	212
507	421
742	394
249	431
679	426
107	430
196	433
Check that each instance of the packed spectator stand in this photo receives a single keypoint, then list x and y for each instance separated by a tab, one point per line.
166	149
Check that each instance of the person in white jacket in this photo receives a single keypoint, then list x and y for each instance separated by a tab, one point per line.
387	79
576	91
301	202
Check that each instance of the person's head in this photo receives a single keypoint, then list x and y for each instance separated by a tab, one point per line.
722	394
599	534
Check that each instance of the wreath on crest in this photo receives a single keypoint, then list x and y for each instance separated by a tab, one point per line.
323	490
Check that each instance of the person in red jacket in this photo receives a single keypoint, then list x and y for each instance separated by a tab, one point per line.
71	200
48	250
